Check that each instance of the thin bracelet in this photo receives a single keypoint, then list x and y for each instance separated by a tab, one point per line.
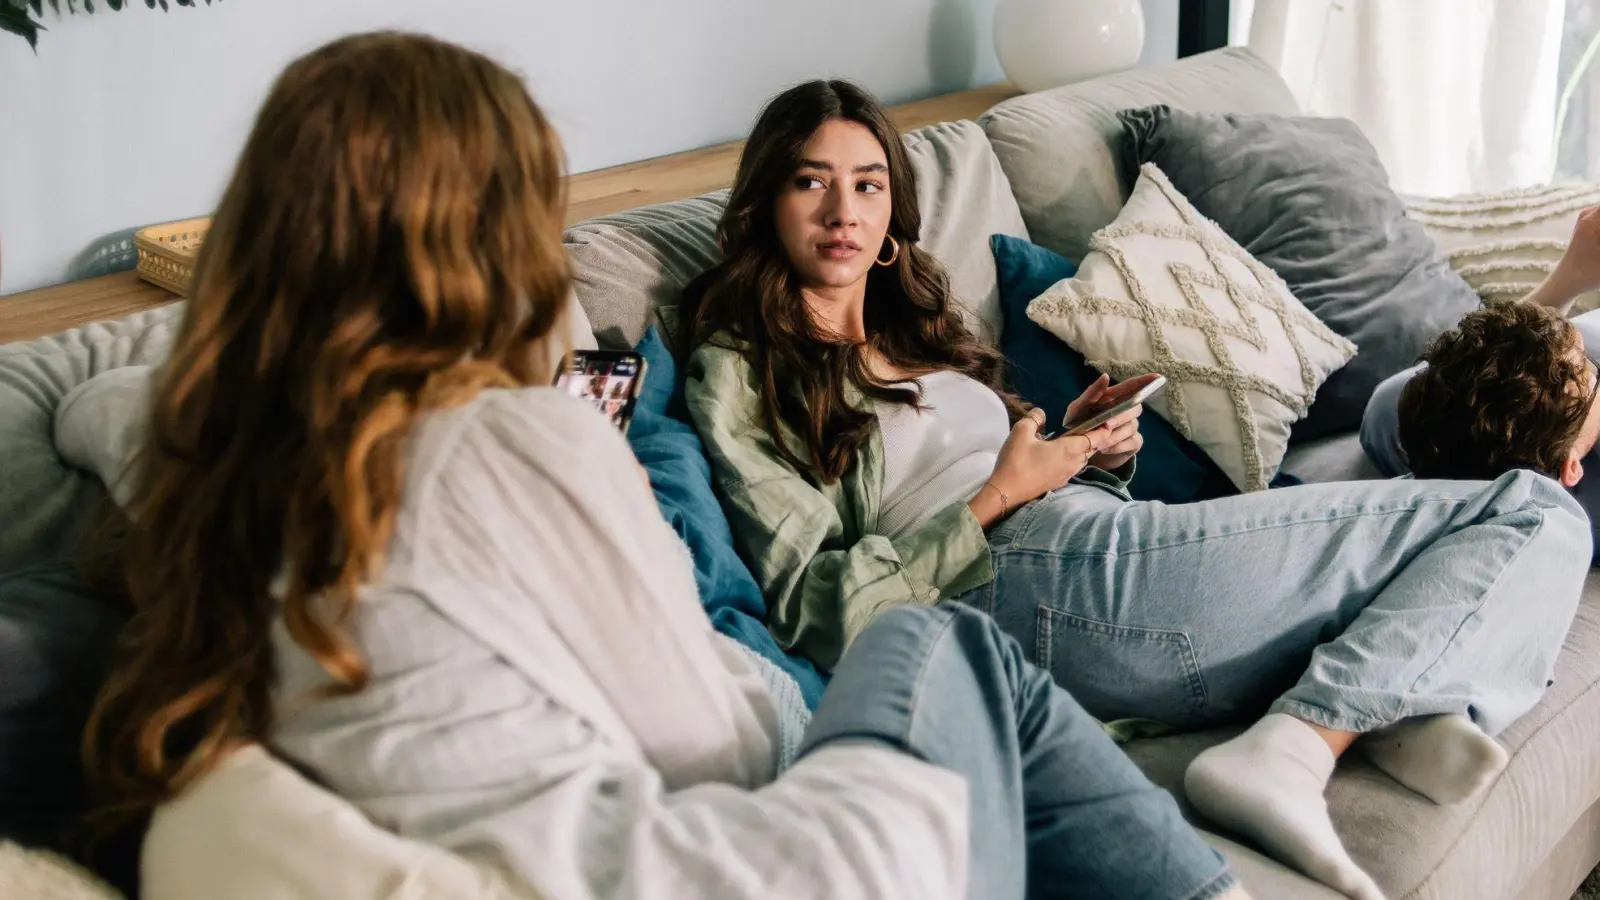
1005	501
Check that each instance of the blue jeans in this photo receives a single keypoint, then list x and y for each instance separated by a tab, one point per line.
1057	809
1351	606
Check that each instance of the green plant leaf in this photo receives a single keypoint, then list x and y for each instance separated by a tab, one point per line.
17	22
15	17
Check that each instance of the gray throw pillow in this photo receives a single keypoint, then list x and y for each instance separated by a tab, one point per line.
1309	198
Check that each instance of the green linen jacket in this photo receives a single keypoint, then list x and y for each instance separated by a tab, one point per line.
815	549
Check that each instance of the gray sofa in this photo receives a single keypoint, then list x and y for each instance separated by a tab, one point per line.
1048	167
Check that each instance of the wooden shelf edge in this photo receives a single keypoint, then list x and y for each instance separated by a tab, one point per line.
45	311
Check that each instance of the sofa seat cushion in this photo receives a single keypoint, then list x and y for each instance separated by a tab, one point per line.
1486	847
628	265
1337	457
1063	149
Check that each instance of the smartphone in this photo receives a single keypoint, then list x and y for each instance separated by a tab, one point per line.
1103	414
610	379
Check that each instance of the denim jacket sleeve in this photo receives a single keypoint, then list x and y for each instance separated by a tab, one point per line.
823	580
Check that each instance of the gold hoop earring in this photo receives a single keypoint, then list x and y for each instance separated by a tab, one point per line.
894	255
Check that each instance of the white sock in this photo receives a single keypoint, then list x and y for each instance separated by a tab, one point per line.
1267	785
1444	758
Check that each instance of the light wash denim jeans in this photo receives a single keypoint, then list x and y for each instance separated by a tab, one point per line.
1057	809
1380	428
1350	605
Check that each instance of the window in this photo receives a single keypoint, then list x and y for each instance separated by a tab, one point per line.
1578	105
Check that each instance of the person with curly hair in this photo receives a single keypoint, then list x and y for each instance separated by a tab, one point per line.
1510	387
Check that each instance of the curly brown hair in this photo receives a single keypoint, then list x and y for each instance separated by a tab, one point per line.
390	244
753	298
1497	394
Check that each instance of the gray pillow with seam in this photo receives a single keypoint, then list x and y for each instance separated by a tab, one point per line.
1310	198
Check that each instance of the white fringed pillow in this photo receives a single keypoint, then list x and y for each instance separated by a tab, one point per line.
1165	290
1505	244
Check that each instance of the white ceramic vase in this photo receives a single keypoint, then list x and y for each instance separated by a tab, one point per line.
1047	43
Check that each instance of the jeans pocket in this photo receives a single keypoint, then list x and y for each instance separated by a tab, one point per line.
1122	671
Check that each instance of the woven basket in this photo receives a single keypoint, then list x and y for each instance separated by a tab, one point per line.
167	253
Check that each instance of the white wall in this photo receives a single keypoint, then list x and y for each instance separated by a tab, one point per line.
124	119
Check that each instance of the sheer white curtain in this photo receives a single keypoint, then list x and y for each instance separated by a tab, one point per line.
1458	96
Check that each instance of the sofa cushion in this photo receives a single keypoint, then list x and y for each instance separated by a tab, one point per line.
1164	290
44	502
1505	244
1062	149
1310	199
1486	847
1047	373
965	198
1336	457
629	264
680	474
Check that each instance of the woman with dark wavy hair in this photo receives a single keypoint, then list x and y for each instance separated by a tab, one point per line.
871	459
367	534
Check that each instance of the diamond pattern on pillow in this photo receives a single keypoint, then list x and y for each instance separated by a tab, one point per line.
1165	290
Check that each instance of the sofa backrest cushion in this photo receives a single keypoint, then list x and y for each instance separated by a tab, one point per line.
1062	149
1310	199
680	475
628	265
44	501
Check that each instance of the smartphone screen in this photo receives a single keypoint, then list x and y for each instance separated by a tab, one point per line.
610	379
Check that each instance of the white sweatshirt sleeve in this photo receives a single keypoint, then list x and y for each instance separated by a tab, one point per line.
468	737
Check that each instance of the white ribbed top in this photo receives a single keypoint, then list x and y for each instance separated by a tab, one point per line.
940	454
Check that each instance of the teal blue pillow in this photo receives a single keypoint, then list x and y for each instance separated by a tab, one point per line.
1049	374
671	452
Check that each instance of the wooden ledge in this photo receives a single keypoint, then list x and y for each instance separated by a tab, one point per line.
50	310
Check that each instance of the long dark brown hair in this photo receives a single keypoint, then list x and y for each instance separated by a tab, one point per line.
752	299
389	244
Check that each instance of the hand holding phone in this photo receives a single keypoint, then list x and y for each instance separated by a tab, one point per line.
610	379
1112	401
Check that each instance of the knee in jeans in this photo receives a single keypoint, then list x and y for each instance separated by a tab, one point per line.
1560	513
981	641
969	626
910	617
1539	492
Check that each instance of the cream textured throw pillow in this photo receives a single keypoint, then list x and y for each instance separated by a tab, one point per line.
1505	244
1163	289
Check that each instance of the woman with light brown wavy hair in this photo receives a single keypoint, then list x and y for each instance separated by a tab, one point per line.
367	536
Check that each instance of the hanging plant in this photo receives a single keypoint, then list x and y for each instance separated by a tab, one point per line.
21	17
